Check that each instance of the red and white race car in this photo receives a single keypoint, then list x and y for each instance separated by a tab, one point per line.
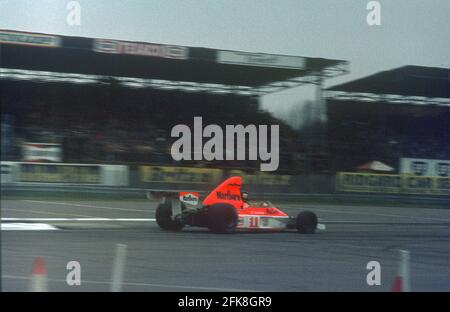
224	211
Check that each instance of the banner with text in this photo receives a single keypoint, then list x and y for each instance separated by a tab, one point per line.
60	173
140	48
42	152
260	59
29	39
392	183
262	178
165	174
425	167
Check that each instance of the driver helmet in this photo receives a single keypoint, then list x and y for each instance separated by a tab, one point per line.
244	195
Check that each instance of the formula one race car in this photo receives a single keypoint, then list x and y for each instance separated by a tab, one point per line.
224	210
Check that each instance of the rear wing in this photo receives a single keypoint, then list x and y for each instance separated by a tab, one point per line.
228	191
191	198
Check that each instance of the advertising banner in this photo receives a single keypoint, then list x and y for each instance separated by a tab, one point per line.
60	173
42	152
138	48
391	183
260	59
425	167
262	178
29	39
165	174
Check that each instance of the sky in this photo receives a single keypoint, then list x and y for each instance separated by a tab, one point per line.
412	32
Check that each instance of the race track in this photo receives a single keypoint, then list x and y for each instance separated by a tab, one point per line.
195	260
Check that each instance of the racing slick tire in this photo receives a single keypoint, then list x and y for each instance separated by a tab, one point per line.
222	218
306	222
163	217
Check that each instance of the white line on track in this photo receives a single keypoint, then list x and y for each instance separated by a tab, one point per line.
344	222
48	213
381	215
79	219
82	205
139	284
26	227
150	209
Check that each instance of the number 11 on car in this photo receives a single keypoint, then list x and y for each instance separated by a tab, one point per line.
254	222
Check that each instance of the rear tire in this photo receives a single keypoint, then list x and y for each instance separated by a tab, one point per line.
164	218
222	218
306	222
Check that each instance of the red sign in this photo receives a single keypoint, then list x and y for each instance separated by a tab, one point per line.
138	48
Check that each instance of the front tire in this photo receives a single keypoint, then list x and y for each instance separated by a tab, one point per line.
163	217
306	222
222	218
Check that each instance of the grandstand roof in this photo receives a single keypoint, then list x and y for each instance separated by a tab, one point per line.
407	83
47	57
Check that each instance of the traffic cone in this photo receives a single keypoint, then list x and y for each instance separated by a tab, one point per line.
39	276
397	284
401	281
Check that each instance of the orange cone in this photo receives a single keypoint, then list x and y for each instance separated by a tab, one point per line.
402	280
39	276
397	284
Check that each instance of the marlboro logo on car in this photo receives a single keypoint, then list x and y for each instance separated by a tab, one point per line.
190	198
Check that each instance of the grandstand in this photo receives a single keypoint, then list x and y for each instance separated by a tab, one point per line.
112	101
400	113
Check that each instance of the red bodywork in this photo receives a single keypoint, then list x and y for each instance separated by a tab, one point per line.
250	216
215	212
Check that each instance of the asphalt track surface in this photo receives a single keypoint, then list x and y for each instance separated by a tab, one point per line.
195	260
